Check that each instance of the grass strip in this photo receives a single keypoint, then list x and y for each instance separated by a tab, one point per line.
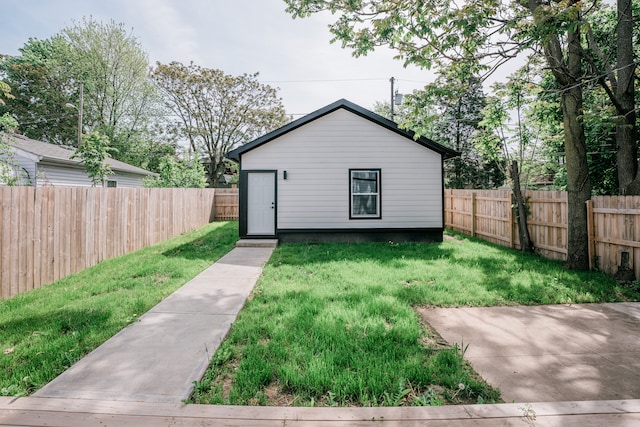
45	331
335	324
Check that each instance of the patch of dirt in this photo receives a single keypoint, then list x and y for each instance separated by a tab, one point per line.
452	238
227	383
256	291
161	278
276	397
226	377
409	284
432	340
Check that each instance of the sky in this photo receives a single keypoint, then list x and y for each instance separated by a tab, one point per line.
235	36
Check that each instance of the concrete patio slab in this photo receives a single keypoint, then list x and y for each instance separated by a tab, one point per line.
158	358
549	353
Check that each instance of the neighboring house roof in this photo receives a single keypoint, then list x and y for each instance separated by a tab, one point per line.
446	153
51	153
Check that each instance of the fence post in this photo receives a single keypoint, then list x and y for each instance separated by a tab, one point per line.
590	233
473	214
451	224
512	240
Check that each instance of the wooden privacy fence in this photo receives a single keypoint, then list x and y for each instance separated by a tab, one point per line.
226	203
48	233
614	224
614	233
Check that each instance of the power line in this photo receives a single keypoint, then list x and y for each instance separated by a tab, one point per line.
324	80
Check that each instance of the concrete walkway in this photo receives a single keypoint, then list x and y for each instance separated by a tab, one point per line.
157	359
549	353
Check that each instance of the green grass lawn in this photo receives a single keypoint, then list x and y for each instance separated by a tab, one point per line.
45	331
335	324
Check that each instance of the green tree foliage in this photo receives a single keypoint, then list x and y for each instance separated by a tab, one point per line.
457	101
8	124
11	173
516	140
600	114
383	108
614	63
612	54
110	61
449	111
5	89
514	126
178	174
217	111
41	83
93	153
119	100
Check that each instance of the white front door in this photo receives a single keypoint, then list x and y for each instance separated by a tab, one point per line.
261	203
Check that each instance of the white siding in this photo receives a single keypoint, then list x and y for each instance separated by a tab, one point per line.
126	179
317	158
61	176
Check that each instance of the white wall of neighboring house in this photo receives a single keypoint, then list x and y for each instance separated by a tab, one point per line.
61	176
22	166
125	179
69	176
43	174
317	158
40	164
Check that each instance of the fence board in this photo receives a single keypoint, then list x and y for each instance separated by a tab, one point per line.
47	233
5	239
49	218
21	243
616	222
14	254
29	238
226	204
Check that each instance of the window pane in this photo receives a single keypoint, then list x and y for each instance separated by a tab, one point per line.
365	205
364	182
365	193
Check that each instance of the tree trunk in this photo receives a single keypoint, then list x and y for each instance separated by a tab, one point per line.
523	230
578	183
568	74
211	168
626	131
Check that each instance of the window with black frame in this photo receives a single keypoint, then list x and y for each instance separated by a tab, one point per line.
365	193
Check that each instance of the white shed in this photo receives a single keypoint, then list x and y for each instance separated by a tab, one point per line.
342	173
42	164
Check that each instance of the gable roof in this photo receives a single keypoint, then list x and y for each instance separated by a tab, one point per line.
446	153
51	153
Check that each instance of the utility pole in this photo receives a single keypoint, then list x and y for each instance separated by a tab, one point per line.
79	109
80	114
392	80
